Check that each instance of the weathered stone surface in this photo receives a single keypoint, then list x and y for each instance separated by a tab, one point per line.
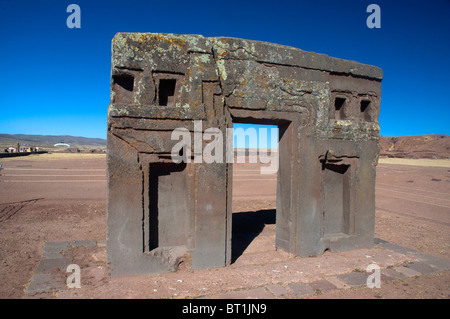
322	285
423	268
278	290
354	278
43	283
408	272
327	112
392	273
438	263
301	289
47	265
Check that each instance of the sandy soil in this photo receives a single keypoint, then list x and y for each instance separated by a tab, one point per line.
64	199
424	162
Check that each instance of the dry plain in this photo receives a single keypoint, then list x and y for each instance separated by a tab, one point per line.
53	198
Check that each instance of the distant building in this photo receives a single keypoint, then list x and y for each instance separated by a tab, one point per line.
19	150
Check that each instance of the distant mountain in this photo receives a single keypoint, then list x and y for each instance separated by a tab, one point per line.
49	140
418	146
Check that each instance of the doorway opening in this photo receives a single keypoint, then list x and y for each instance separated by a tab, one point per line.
254	189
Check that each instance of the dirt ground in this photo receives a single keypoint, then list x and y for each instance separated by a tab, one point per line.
49	198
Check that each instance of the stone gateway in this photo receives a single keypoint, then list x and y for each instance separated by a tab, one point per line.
161	213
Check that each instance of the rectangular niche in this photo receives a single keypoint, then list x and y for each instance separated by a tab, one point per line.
168	205
339	108
166	92
167	88
123	85
337	197
364	108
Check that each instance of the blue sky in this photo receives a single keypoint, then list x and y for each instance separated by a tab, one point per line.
56	81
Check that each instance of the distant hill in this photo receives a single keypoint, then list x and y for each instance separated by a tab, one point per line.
47	141
418	146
